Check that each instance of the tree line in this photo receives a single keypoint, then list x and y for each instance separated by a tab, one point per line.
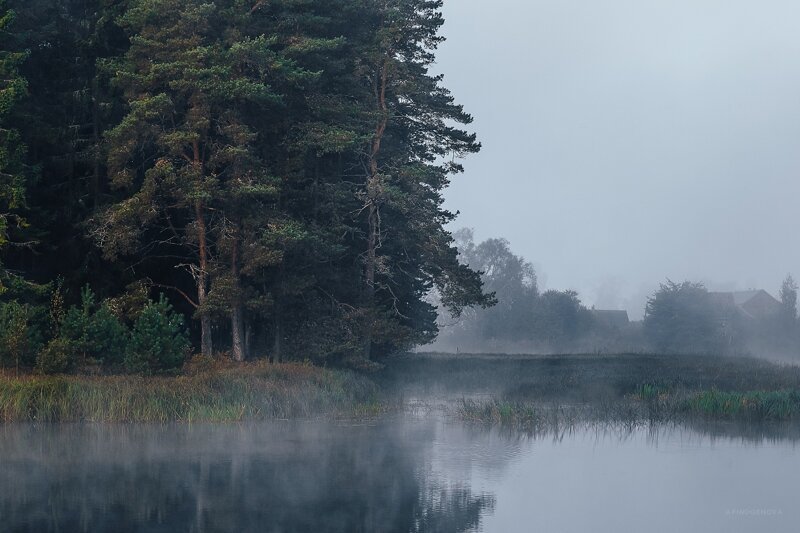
524	317
679	318
274	169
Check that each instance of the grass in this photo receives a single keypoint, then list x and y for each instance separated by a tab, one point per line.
585	378
257	391
528	393
748	406
535	393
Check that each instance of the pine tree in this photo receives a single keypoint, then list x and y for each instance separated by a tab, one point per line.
12	151
183	147
408	251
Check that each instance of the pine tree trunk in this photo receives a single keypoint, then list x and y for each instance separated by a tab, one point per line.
237	312
201	278
248	337
372	244
237	330
373	198
277	348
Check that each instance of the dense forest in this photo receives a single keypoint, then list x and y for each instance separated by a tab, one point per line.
262	178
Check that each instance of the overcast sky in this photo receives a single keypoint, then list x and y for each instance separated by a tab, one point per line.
630	141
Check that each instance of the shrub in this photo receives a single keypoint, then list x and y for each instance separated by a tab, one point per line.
158	342
58	357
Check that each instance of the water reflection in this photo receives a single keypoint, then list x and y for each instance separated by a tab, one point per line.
406	475
270	477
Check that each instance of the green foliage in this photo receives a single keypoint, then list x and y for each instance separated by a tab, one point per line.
158	342
13	88
681	317
59	356
758	406
107	337
237	155
92	332
19	337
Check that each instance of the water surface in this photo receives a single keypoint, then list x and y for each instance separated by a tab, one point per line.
409	474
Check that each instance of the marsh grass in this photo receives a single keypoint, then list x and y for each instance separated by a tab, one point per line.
257	391
544	392
646	408
520	416
745	406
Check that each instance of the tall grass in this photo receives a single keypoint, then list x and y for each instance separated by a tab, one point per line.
256	391
749	406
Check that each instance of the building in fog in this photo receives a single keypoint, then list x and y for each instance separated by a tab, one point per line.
611	319
749	305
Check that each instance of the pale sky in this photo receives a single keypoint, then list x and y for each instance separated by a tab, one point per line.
630	141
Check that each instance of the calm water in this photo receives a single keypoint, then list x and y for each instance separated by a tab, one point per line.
402	475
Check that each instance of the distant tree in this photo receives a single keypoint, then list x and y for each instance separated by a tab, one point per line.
680	318
788	295
509	277
559	317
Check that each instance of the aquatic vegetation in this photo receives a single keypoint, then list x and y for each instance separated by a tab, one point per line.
630	390
256	391
758	405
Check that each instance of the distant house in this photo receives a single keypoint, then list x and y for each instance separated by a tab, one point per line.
611	319
753	304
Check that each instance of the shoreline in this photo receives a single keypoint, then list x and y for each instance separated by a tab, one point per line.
514	392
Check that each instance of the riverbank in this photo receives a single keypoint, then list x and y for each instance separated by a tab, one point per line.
538	393
528	393
250	392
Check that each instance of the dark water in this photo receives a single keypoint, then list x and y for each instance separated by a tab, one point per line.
406	475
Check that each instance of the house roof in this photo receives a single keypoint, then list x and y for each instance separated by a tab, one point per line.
742	297
753	303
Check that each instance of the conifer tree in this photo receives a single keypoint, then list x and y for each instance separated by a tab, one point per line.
12	151
408	251
181	148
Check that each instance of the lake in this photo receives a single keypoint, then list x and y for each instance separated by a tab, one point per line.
422	473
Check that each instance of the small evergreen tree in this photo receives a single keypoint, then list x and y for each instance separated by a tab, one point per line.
16	334
158	342
92	332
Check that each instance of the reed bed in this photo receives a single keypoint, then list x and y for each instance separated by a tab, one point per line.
257	391
649	406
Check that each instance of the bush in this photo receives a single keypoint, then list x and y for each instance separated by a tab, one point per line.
158	343
58	357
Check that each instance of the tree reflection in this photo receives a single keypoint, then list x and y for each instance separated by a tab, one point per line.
292	478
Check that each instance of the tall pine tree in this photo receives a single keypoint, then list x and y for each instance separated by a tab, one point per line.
184	149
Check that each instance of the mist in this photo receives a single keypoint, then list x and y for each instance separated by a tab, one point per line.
399	266
627	142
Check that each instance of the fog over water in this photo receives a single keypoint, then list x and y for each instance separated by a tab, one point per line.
626	141
419	476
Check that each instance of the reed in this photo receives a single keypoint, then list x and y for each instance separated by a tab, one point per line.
257	391
747	406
